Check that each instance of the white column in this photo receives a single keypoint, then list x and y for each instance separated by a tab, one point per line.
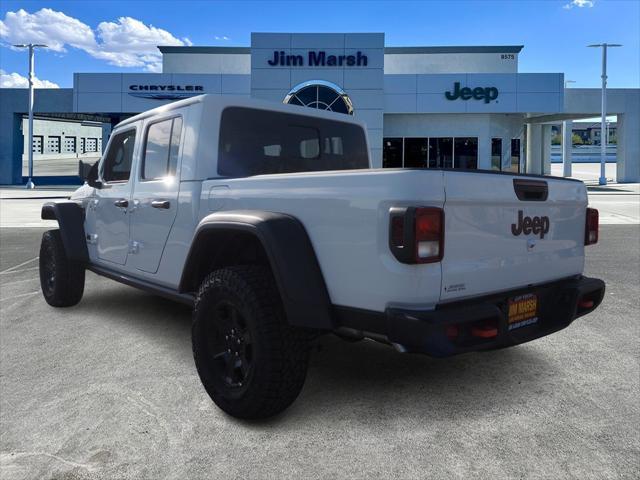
534	149
628	147
567	145
546	149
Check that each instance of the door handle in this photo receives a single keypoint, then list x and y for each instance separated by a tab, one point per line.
122	203
166	204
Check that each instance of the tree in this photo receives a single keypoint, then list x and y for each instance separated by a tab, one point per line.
576	139
556	140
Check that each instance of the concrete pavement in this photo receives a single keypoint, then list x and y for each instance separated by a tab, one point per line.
108	390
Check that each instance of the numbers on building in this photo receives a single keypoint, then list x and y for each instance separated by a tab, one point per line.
507	56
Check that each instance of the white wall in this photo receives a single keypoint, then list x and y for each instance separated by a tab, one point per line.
450	63
239	63
517	92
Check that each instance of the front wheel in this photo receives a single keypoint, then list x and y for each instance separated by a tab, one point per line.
61	279
251	362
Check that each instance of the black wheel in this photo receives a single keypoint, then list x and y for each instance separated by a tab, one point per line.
61	280
251	362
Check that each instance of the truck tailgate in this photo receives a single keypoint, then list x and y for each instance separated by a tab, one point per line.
503	232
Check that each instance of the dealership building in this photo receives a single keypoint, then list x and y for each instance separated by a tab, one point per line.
428	107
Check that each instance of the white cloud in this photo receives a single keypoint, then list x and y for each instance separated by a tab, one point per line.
579	4
15	80
127	42
47	26
222	38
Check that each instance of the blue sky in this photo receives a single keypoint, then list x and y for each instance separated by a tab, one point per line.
116	36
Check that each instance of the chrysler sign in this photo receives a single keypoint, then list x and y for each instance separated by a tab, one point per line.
165	92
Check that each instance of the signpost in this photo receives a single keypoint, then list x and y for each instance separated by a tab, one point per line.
603	119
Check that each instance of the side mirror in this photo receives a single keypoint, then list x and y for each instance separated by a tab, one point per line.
83	170
90	174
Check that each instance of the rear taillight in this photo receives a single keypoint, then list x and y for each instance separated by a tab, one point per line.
429	234
591	227
416	234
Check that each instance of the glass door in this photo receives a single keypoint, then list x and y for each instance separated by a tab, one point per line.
441	152
416	152
466	153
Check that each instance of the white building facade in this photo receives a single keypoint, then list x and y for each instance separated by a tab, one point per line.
424	107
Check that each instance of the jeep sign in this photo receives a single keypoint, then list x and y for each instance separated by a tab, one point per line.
479	93
526	225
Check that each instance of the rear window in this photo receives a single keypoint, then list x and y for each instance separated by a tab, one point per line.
258	142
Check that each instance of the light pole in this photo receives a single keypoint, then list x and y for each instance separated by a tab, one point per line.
603	120
31	47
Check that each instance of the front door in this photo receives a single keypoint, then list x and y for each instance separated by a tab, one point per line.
155	198
111	205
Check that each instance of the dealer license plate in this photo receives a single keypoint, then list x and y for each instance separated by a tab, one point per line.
523	310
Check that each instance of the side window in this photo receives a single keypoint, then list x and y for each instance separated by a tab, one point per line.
161	149
117	160
259	142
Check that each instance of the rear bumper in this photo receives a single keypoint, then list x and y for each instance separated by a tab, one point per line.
481	323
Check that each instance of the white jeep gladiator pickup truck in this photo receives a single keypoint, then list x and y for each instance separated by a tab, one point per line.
269	221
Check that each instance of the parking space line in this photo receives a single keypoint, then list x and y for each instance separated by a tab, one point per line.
19	271
18	296
10	269
13	282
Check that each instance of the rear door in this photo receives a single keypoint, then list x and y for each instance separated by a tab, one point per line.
155	197
503	232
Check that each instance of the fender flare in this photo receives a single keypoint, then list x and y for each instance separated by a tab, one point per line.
70	217
290	254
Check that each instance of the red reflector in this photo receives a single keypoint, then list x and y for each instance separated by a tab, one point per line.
591	227
452	332
429	234
585	303
484	331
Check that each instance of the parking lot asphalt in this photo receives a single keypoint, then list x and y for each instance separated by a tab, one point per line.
108	389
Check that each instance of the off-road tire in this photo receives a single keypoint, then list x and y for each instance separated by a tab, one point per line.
61	279
279	353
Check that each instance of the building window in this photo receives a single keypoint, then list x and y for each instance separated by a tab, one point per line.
496	154
416	152
70	144
465	152
392	153
441	152
321	95
37	144
53	144
515	155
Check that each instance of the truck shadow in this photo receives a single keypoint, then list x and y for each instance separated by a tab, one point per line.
372	380
356	381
